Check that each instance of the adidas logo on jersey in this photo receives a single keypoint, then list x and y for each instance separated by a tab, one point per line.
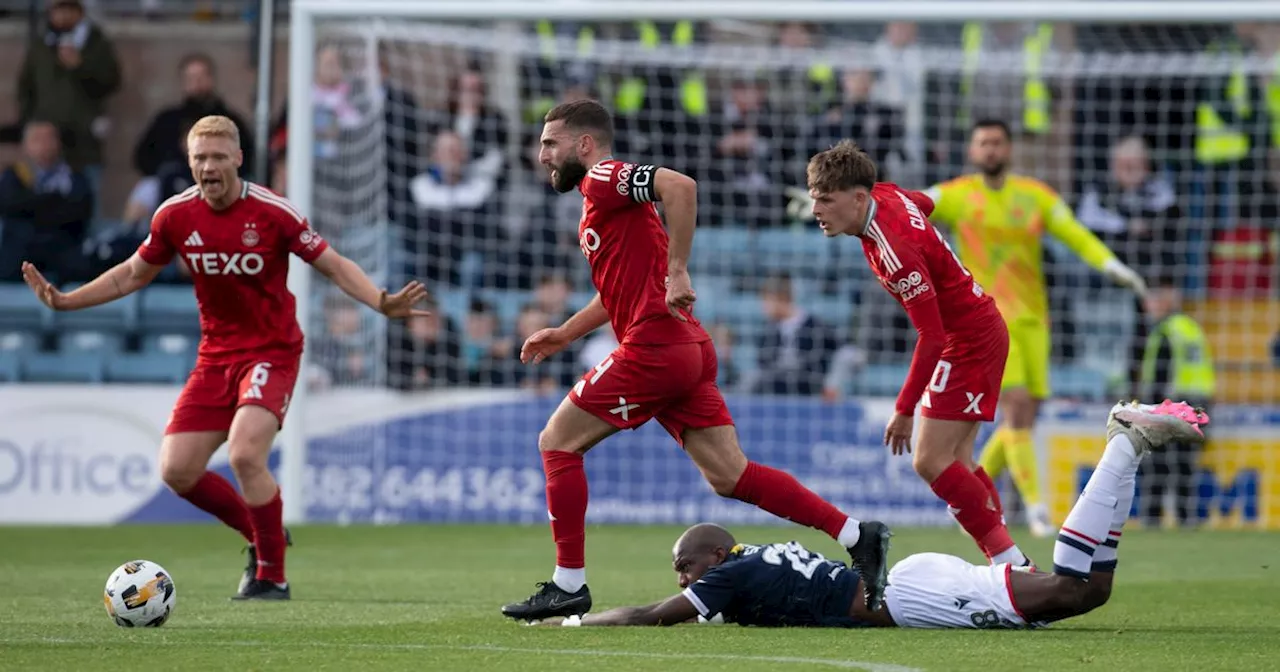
194	240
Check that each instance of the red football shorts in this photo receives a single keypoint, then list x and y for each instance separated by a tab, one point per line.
966	382
216	390
676	384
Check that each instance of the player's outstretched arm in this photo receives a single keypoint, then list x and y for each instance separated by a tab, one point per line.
547	342
1062	224
354	282
121	280
671	611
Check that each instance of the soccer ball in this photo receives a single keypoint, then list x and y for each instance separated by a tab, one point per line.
139	594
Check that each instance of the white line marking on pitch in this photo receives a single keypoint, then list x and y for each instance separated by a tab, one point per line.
827	662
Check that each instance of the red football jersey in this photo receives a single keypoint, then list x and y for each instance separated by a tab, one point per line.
623	239
916	264
239	261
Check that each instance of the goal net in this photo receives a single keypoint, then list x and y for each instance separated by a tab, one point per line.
1164	140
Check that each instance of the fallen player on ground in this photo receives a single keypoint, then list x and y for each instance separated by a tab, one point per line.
788	585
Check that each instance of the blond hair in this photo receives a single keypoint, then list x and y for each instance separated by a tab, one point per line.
215	126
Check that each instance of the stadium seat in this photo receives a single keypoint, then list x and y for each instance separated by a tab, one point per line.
453	303
62	367
169	309
880	380
722	252
20	309
10	369
794	251
90	341
120	316
1078	382
148	367
19	341
170	344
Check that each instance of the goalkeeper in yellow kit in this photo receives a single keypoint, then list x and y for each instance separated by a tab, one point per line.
998	220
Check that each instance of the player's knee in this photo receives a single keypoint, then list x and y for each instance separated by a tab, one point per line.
549	440
930	464
180	477
248	457
722	482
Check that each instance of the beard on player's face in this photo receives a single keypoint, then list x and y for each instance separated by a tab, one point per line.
993	167
568	174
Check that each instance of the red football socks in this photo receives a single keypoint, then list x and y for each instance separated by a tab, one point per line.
990	485
781	494
975	509
215	495
269	539
567	506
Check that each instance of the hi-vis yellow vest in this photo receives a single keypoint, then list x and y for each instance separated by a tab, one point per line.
538	106
1216	141
1192	374
1035	92
633	90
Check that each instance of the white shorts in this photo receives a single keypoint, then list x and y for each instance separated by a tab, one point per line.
932	590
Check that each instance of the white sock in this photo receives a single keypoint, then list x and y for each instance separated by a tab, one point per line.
569	580
1088	524
849	534
1013	555
1104	559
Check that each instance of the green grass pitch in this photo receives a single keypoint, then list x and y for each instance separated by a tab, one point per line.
427	598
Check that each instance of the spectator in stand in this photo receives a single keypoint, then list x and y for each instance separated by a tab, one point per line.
458	204
747	190
425	352
876	127
45	208
900	60
552	295
727	376
553	374
171	177
484	349
482	127
67	76
163	143
795	348
340	351
401	115
1135	213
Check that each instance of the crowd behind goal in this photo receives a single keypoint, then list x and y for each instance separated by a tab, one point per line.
427	145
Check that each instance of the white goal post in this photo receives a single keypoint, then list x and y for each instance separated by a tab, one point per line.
378	18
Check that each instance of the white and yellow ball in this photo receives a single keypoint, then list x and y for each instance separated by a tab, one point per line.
140	594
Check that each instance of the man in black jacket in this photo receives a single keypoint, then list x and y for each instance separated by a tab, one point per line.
161	142
45	208
795	347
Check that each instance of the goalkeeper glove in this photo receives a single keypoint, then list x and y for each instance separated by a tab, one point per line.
799	204
1124	276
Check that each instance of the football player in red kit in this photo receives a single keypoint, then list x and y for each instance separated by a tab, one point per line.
962	341
236	238
664	367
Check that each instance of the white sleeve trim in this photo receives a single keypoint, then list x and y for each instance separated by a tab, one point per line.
696	601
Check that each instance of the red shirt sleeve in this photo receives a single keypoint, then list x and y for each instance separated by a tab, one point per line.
617	184
922	201
930	340
303	240
914	286
156	249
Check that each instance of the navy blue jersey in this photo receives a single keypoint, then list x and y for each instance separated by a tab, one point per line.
777	585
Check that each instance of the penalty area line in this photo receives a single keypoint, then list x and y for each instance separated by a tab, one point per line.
837	663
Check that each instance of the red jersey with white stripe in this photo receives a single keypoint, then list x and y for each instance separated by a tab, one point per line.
914	262
623	239
239	261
